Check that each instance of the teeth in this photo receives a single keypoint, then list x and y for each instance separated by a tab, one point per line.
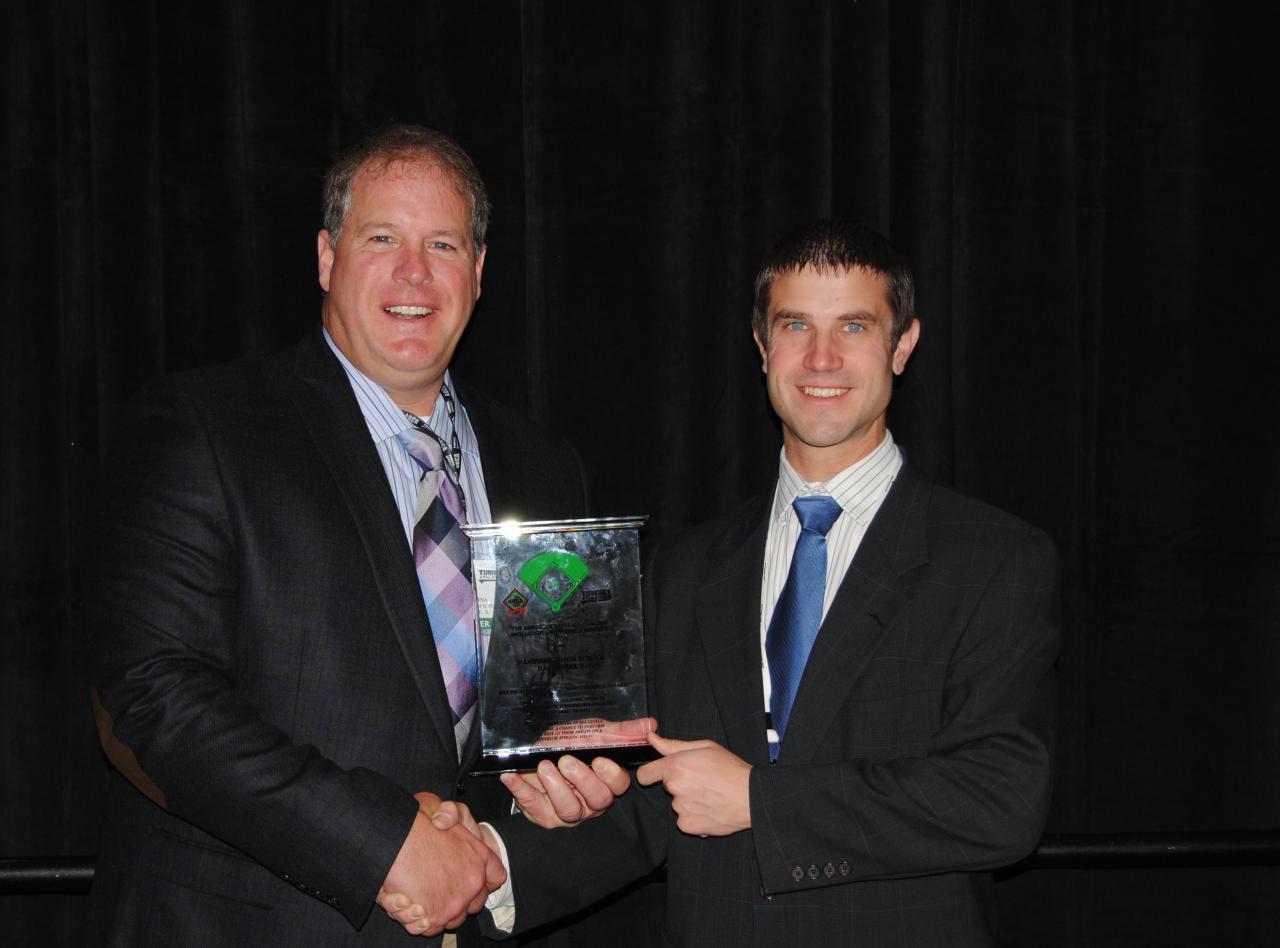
823	392
409	310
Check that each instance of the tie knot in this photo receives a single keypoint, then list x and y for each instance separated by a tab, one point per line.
423	448
816	513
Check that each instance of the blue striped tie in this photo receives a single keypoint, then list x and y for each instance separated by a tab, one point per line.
796	617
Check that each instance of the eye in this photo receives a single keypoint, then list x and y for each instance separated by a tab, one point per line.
794	325
854	328
381	238
441	245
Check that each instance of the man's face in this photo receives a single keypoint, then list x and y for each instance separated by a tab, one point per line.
830	365
402	279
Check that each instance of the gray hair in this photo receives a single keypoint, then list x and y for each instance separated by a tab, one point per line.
410	143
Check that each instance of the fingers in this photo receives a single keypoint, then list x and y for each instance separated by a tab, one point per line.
709	785
667	746
651	772
495	871
578	792
403	910
569	793
591	795
560	793
612	775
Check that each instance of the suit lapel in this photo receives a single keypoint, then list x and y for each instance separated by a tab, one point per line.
872	595
727	612
332	416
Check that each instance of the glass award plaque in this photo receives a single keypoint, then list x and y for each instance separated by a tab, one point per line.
561	641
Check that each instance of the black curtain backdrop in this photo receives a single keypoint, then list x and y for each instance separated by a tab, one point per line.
1087	190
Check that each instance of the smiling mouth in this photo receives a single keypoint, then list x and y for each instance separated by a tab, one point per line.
815	392
408	312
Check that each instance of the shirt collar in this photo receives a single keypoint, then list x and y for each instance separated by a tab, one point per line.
858	489
383	416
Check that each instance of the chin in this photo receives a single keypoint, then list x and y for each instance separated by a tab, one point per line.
412	355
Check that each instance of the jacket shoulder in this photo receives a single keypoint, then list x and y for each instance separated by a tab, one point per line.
530	472
701	547
956	522
244	383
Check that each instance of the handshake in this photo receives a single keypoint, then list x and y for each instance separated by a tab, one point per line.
449	863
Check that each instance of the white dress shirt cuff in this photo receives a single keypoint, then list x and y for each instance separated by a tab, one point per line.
501	902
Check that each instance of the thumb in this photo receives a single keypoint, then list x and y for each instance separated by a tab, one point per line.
446	816
427	801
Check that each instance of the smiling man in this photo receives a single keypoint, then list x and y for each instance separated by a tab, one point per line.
854	670
401	285
281	608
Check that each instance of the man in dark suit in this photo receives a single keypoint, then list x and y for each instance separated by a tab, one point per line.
854	670
261	609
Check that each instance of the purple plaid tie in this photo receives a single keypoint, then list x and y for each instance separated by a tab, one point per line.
442	556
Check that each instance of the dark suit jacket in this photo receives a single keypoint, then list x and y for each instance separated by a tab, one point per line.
260	642
918	750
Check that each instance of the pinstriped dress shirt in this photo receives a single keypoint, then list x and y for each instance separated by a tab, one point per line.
859	490
386	420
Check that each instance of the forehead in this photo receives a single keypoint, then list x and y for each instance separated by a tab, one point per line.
408	188
813	290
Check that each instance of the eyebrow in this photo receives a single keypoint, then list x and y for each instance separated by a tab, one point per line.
784	314
455	235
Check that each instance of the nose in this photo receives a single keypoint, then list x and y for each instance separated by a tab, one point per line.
822	354
412	267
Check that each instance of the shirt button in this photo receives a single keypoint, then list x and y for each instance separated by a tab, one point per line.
828	870
813	872
844	868
797	873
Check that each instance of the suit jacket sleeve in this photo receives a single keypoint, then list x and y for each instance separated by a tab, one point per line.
974	794
164	618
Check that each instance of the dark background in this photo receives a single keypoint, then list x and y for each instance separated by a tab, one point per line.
1087	190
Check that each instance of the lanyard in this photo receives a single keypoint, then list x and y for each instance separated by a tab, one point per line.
453	450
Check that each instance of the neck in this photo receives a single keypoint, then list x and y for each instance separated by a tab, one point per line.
817	464
420	402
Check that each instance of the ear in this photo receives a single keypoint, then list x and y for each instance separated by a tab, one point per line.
480	267
324	258
764	351
906	344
